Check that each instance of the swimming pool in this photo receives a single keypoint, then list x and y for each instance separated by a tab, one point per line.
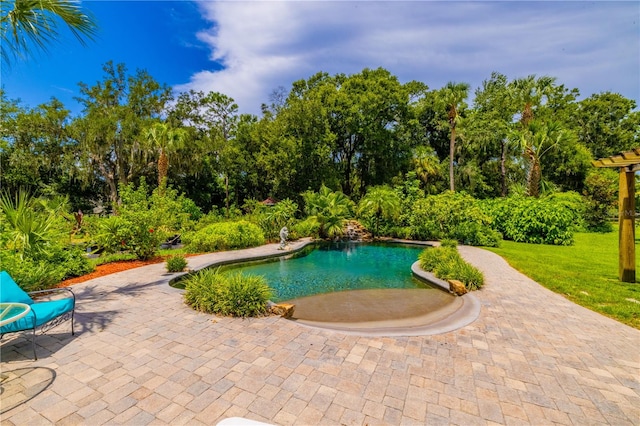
328	268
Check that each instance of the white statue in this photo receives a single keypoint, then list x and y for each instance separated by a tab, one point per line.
284	233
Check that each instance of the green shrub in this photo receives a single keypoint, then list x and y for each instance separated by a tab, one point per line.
575	203
224	236
452	215
73	262
227	294
447	242
272	219
446	263
306	228
601	190
31	274
532	220
176	263
144	219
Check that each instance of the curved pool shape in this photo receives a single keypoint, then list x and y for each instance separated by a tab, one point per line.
336	267
361	288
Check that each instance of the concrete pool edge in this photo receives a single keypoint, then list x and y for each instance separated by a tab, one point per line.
463	316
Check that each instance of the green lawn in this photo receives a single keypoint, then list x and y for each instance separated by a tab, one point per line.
585	273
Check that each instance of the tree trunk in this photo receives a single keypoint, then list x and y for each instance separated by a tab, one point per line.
226	189
163	166
503	169
452	149
535	174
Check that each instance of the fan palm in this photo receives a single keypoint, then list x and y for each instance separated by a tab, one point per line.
33	23
379	202
328	209
167	141
537	140
528	92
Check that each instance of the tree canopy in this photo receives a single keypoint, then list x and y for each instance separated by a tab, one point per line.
347	133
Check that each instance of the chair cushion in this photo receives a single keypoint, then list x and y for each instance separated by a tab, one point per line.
43	311
10	292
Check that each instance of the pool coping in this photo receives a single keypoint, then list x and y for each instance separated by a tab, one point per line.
463	316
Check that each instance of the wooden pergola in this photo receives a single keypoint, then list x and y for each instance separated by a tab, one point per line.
629	163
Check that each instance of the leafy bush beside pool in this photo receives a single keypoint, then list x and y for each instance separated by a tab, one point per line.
446	263
237	295
453	215
224	236
533	220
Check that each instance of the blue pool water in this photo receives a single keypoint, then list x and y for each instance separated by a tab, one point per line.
337	267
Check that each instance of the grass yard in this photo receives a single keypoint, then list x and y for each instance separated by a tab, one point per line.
585	273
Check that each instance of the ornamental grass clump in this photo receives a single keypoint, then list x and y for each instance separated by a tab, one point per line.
237	294
446	263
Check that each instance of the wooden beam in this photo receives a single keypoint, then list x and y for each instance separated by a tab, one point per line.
627	232
624	159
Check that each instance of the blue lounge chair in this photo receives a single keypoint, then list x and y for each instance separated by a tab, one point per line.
59	306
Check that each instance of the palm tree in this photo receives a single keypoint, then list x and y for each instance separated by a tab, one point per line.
27	23
529	92
536	141
425	164
167	141
328	209
452	97
29	231
379	202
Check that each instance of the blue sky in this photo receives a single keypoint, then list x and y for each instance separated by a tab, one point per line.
247	49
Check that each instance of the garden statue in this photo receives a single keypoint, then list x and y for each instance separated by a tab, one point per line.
284	233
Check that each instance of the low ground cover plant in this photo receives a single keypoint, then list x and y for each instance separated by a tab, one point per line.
446	263
227	294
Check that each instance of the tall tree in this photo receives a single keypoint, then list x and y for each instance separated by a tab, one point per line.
452	97
216	117
607	124
491	123
34	23
116	112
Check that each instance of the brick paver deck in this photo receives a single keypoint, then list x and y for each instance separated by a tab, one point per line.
141	356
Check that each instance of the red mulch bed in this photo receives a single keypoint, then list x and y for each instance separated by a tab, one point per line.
113	267
110	268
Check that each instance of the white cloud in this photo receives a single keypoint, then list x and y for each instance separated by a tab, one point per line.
262	45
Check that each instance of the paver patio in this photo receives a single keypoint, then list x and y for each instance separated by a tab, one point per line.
141	356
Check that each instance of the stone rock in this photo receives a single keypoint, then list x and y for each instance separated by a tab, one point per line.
457	287
285	310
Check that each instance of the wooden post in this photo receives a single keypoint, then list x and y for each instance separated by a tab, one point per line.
626	219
